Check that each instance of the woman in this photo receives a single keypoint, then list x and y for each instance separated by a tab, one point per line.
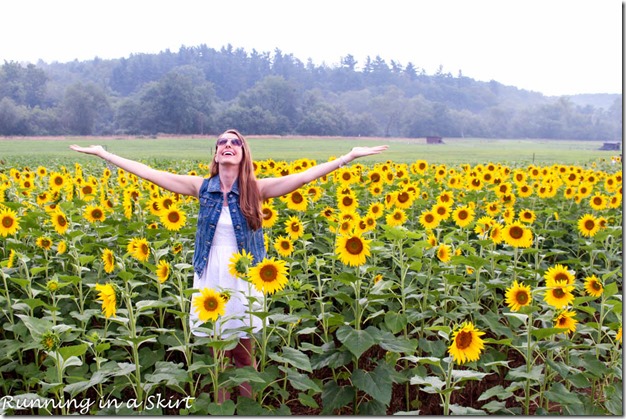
229	221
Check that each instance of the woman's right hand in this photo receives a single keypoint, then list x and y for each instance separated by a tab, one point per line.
96	150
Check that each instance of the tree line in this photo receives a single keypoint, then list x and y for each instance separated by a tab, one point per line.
201	90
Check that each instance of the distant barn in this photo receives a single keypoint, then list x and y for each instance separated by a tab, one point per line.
434	140
610	146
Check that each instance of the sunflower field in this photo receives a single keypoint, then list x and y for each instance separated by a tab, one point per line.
388	288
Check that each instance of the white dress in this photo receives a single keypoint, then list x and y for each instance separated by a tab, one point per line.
217	277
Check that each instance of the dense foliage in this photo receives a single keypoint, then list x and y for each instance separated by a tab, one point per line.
200	90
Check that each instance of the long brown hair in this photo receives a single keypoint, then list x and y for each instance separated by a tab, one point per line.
249	195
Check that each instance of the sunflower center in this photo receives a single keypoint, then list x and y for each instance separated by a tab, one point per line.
441	210
354	246
210	304
375	177
173	217
96	213
403	197
267	213
561	277
58	181
463	215
7	222
429	218
297	198
521	297
347	201
590	224
295	228
516	232
463	340
596	285
268	273
558	293
397	216
284	245
61	221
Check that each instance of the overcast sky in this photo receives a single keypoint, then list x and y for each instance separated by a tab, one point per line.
556	47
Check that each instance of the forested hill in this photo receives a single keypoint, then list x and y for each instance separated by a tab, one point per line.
201	90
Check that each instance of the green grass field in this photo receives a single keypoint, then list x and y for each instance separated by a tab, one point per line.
453	151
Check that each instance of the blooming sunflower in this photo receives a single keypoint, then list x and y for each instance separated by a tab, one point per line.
467	343
94	213
108	298
283	245
109	260
442	210
396	218
44	242
163	271
598	201
269	275
139	248
294	227
239	264
376	209
559	272
444	252
61	247
269	215
518	296
527	216
588	225
9	222
429	220
209	304
558	294
618	336
352	249
347	202
57	181
566	320
593	286
463	216
173	218
59	221
516	235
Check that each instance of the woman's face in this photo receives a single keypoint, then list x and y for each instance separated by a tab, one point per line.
229	149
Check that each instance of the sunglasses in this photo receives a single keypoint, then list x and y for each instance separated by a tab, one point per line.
234	141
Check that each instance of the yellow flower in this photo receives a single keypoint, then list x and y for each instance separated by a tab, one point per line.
109	260
467	344
444	252
598	201
516	235
61	247
352	249
209	304
593	286
52	285
139	248
94	213
463	216
527	216
588	225
378	278
558	294
50	341
173	218
9	222
376	210
429	220
566	320
283	246
559	272
108	298
347	202
59	221
11	260
44	242
294	227
269	215
239	264
296	201
163	271
618	336
396	218
518	296
269	276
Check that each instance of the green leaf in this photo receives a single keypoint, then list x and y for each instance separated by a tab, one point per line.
300	381
293	357
395	322
357	341
455	409
463	375
75	350
376	383
226	408
559	394
547	331
36	327
307	400
335	397
495	391
536	373
428	382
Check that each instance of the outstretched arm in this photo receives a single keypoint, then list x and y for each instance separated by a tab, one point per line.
279	186
182	184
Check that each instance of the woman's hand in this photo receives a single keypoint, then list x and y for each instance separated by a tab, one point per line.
357	152
96	150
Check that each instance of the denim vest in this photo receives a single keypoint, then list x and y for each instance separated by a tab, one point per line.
211	203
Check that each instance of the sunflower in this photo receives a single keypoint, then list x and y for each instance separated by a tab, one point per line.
44	242
396	218
177	248
108	298
376	209
598	202
429	220
518	296
61	247
444	252
50	341
463	216
94	213
109	260
516	235
59	221
527	216
269	214
163	271
314	193
593	286
432	240
9	222
466	344
57	181
404	199
442	210
566	320
139	248
524	190
173	218
352	249
11	260
296	201
559	273
283	245
558	294
588	225
239	264
294	227
347	202
269	276
209	304
618	336
495	233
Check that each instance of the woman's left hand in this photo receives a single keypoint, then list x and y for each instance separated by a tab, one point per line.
357	152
